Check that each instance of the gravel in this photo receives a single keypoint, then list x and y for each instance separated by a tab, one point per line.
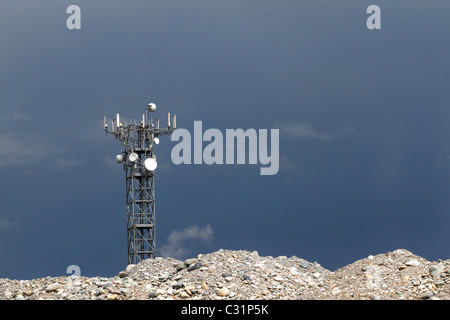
244	275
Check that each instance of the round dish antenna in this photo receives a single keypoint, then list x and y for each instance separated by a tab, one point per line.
150	164
133	157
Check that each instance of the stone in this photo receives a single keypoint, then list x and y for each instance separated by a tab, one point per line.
123	274
130	268
293	271
204	286
223	292
52	287
439	283
412	262
178	285
162	278
436	270
112	296
191	261
305	264
401	252
190	290
278	278
335	291
77	283
180	266
194	266
178	277
27	293
184	295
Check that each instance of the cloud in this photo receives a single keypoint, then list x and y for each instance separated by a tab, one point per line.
292	162
306	130
66	162
8	223
301	131
5	223
22	150
442	160
9	115
180	243
25	150
19	149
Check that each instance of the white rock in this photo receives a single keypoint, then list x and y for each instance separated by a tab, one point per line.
148	287
293	271
401	252
412	262
278	278
335	291
76	283
436	270
130	268
52	287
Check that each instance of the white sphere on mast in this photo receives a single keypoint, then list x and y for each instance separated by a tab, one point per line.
151	107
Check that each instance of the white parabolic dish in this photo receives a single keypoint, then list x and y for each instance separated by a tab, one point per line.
133	157
150	164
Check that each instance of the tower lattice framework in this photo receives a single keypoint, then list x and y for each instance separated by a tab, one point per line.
138	140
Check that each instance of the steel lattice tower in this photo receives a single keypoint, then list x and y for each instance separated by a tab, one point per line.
139	162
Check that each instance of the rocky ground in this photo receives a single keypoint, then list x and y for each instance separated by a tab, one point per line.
245	275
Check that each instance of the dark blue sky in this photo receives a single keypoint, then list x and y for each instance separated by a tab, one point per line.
363	118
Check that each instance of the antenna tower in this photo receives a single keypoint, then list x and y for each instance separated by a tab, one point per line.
139	162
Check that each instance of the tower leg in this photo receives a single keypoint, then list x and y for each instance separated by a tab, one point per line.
140	215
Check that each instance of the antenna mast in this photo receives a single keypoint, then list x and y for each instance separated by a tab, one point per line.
139	162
